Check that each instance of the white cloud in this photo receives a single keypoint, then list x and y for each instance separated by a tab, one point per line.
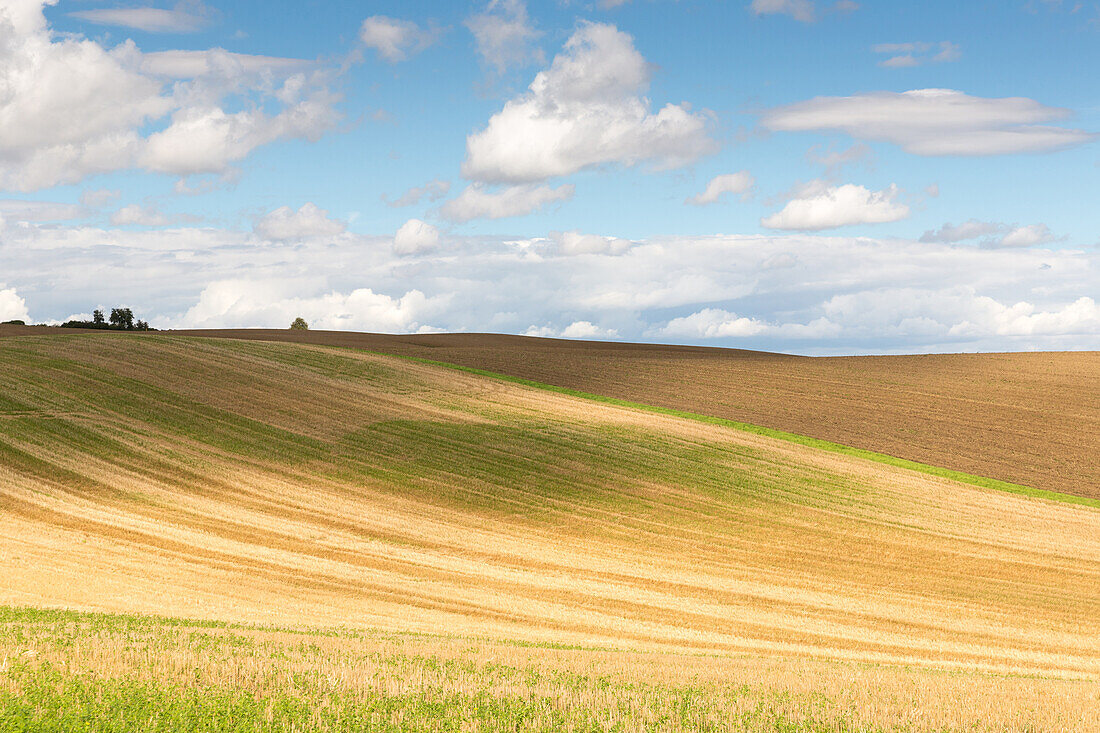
956	312
186	17
73	108
475	202
18	210
575	330
835	160
905	55
821	206
1026	236
219	63
415	237
574	243
274	304
995	234
504	35
286	224
934	122
844	294
903	312
712	323
801	10
1082	316
586	110
139	215
98	197
433	190
737	183
208	140
12	307
395	40
805	11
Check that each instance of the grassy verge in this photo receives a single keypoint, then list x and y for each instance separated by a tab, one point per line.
960	476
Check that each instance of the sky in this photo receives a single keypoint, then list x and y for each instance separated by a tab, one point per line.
807	176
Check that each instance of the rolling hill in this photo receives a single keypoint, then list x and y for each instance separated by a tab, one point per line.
608	558
1025	418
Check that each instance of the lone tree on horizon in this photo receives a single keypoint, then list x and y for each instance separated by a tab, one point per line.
299	324
122	318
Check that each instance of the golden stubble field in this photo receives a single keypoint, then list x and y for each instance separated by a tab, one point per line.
308	487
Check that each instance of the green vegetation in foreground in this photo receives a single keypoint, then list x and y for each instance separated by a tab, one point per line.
90	672
960	476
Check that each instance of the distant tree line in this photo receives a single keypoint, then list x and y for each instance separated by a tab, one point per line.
122	319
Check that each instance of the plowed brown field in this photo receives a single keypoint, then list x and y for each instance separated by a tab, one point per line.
1027	418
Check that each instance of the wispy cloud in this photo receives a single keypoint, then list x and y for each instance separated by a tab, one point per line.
186	17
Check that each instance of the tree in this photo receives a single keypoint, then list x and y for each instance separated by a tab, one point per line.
97	317
299	324
122	318
141	326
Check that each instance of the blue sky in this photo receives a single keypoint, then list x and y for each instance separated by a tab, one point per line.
882	176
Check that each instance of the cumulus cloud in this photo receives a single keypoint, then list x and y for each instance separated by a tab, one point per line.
713	323
185	17
476	202
12	307
574	243
139	215
994	234
934	122
273	304
286	224
504	35
1082	316
73	108
394	39
208	139
432	190
819	205
736	183
415	237
575	330
907	55
586	110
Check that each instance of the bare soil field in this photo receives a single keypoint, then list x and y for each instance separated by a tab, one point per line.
306	487
1027	418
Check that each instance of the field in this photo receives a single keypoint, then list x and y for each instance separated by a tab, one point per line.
360	540
1026	418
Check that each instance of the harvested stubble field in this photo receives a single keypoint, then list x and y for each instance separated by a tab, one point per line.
1026	418
385	542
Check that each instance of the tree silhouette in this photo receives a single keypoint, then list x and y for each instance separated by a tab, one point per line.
97	317
122	318
299	324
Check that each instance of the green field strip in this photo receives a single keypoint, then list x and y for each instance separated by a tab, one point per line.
826	445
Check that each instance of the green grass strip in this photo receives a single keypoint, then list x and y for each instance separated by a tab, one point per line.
960	476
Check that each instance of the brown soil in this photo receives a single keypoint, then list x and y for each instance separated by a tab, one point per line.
1029	418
